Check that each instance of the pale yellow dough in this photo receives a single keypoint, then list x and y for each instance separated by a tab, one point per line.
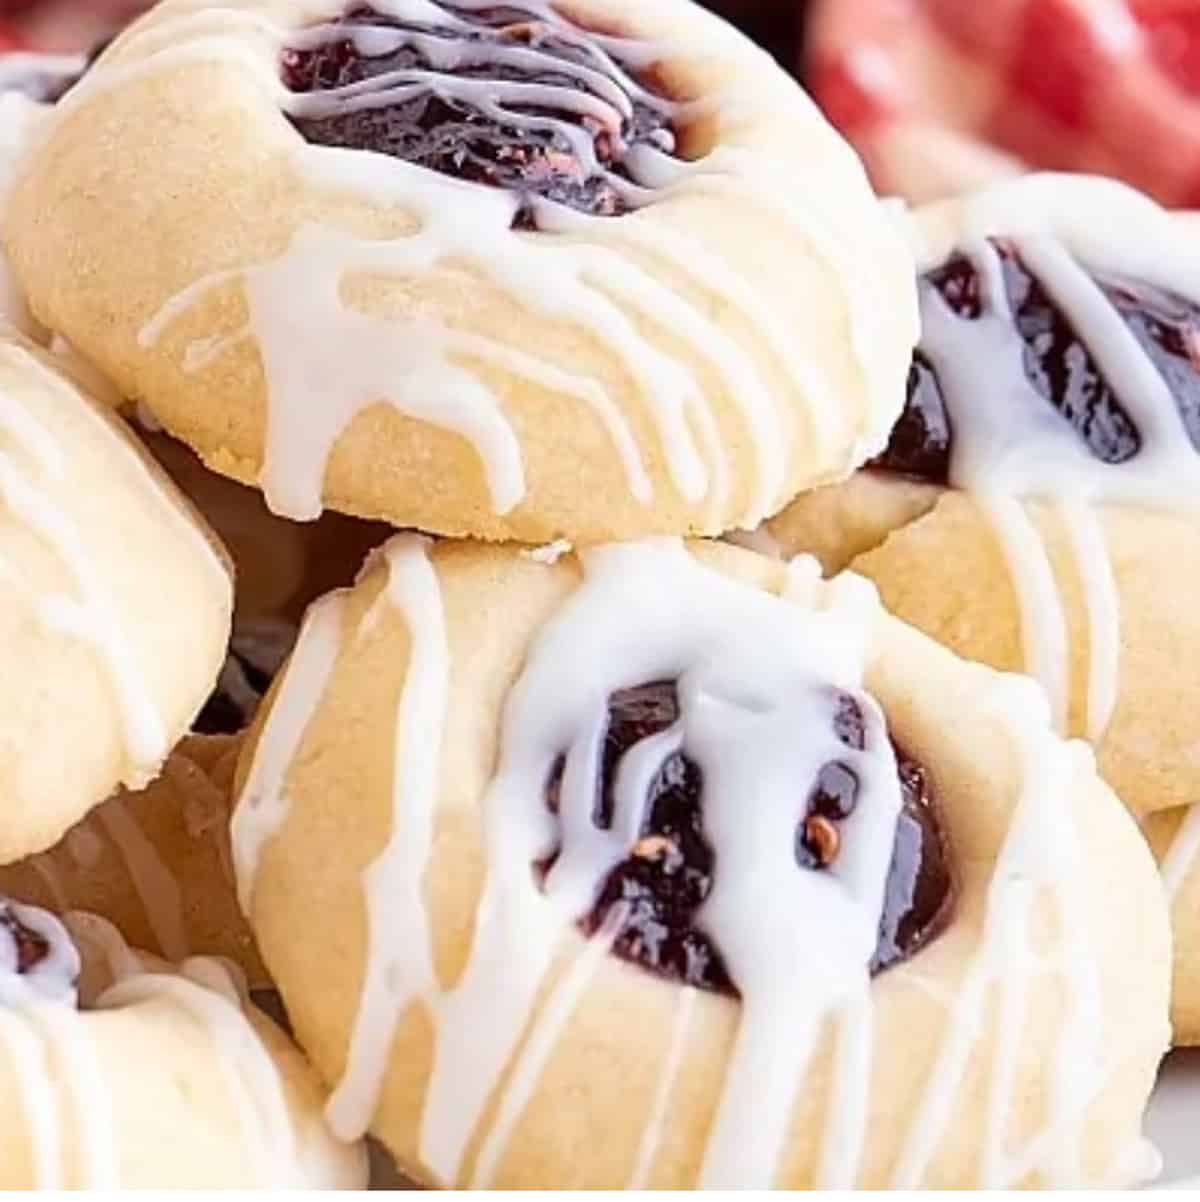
789	235
946	573
115	606
156	863
590	1106
184	1085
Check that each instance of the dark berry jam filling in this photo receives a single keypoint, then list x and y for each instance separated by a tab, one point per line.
1057	364
669	872
529	145
32	948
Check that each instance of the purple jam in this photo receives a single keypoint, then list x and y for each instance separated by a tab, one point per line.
669	873
520	146
32	948
1058	365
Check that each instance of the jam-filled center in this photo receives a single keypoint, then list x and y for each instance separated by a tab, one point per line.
31	948
512	96
1056	362
669	871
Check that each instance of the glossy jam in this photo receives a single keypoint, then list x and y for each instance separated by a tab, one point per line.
670	871
32	948
454	136
1057	364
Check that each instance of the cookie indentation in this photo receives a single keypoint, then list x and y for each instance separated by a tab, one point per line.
503	96
669	871
1057	364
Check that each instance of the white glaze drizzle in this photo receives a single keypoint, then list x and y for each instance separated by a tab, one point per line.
668	1079
1183	853
156	885
575	272
1010	445
399	961
26	491
49	1044
205	991
262	805
1040	854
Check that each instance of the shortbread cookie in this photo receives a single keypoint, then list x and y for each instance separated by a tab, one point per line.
479	269
1038	507
115	604
146	1077
687	848
155	863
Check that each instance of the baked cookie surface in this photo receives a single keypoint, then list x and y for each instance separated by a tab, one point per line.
115	605
549	913
645	288
117	1072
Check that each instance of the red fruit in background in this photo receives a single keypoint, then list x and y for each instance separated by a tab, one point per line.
1173	35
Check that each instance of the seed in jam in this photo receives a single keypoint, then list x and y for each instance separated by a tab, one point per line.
1057	364
669	872
542	138
32	948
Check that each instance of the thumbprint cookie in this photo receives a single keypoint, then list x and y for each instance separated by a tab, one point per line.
1038	505
118	1072
678	844
521	271
115	606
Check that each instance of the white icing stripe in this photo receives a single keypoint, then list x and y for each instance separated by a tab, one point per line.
44	866
39	1105
1183	853
547	1027
1012	1016
1044	632
1041	852
1103	602
88	615
262	807
846	1125
399	967
253	1082
153	881
80	1079
668	1080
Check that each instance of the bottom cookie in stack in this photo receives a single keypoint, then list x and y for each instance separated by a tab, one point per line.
119	1072
156	863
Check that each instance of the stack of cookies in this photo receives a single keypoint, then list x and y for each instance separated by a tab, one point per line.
600	829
